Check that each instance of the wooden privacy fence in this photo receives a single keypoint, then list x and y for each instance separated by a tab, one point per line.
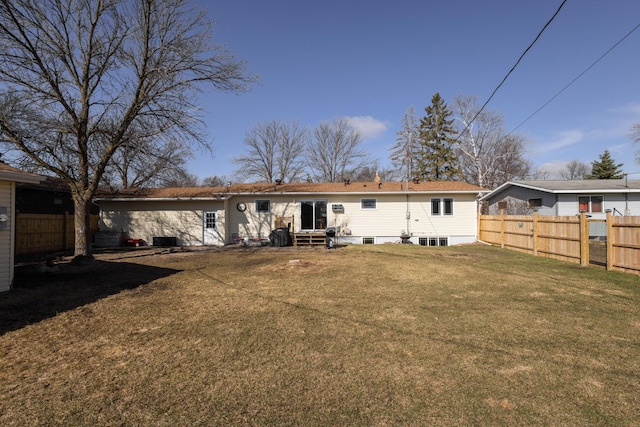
39	233
565	237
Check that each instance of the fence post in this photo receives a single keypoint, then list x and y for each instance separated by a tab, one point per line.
502	228
584	240
65	230
610	238
535	233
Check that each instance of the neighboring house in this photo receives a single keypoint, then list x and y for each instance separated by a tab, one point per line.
9	176
50	196
428	213
563	198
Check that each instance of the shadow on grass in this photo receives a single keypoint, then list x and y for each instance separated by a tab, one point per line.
37	296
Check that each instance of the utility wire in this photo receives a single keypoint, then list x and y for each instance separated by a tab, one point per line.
512	68
575	79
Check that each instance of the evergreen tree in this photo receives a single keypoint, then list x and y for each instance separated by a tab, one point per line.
606	168
437	160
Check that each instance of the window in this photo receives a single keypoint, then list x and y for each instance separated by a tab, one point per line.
435	206
313	214
368	241
441	207
433	241
209	220
535	203
368	203
448	206
590	203
263	206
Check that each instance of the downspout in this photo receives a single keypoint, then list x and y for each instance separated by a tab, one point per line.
408	215
227	220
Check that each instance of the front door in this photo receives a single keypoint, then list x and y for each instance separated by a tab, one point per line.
313	215
210	234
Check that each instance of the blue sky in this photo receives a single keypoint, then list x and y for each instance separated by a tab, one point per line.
370	61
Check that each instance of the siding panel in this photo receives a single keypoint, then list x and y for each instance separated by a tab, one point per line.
6	239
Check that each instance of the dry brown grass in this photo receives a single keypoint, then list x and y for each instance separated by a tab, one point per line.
363	335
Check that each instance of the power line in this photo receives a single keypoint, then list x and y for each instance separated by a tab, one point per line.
513	68
576	78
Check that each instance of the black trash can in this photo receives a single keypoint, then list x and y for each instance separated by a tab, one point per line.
280	237
331	234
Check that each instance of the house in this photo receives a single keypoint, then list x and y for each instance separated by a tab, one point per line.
566	198
9	176
428	213
49	196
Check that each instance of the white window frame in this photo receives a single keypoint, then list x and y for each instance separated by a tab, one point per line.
591	196
261	201
210	220
364	201
442	204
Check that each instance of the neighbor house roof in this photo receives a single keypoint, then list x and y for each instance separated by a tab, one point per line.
9	173
295	188
573	186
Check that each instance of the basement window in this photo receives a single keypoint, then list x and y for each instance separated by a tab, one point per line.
368	240
433	241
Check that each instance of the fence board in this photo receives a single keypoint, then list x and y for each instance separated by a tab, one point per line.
565	238
624	243
40	233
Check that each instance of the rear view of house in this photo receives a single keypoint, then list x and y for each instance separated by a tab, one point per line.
428	213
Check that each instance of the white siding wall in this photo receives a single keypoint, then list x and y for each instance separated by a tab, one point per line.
6	237
385	223
145	220
389	220
568	204
260	224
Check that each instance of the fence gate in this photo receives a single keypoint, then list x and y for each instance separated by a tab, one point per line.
598	242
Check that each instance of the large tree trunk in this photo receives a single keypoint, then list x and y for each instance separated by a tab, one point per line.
82	224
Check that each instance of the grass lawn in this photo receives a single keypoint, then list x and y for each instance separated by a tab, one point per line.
359	336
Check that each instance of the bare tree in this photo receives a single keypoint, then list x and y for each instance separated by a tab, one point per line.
575	169
215	181
487	156
403	153
369	173
178	178
334	153
146	164
83	79
274	152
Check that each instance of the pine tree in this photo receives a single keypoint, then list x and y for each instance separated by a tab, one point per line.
437	160
606	168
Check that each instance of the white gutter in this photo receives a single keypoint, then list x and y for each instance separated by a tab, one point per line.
21	177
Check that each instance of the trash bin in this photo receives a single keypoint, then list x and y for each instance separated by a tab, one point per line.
280	237
331	234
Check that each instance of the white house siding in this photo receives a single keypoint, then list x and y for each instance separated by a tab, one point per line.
6	237
182	219
388	221
568	204
250	223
